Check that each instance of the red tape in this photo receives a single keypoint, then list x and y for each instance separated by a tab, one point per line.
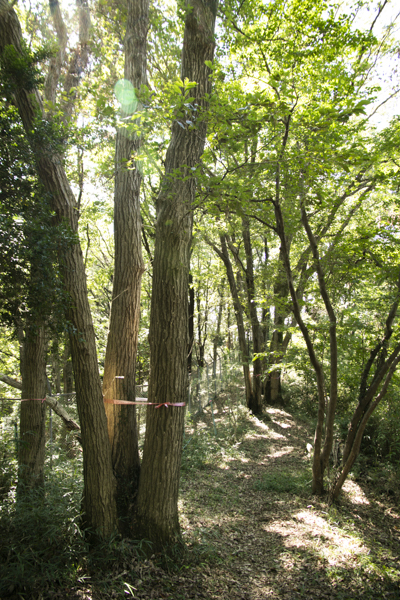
145	403
33	400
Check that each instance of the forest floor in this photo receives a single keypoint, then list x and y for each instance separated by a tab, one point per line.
253	530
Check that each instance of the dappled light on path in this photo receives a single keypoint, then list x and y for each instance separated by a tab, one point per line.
270	537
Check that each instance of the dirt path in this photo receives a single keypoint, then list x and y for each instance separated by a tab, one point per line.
253	530
269	538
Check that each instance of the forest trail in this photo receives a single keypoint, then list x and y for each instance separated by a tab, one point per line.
252	528
273	539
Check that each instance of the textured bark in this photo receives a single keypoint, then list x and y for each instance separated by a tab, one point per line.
120	360
31	447
159	479
99	482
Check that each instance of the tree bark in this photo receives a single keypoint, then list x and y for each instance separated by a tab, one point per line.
99	483
157	517
31	447
120	359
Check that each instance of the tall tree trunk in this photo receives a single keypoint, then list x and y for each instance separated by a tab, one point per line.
222	252
278	347
258	342
159	480
120	359
68	375
99	482
191	323
318	474
31	448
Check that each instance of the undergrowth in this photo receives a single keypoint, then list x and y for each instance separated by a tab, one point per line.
298	482
203	447
44	541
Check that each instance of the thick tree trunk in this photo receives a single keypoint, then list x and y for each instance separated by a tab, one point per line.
120	359
157	517
99	482
31	447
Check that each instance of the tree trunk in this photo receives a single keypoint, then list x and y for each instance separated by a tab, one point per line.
318	475
258	342
120	359
157	517
353	448
273	393
68	375
191	323
222	252
31	448
99	483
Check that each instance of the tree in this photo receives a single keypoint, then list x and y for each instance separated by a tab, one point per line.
99	487
159	479
307	74
120	360
29	285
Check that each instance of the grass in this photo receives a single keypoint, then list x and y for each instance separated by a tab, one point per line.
285	482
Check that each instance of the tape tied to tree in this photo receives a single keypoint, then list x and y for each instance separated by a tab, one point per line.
145	403
32	400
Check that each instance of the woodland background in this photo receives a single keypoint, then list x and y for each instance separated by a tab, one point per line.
200	205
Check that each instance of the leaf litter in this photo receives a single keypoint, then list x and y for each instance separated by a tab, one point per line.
253	530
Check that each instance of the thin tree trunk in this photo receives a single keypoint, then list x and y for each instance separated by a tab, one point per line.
273	393
318	481
159	480
353	450
333	394
120	359
222	252
191	323
258	341
68	375
99	482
